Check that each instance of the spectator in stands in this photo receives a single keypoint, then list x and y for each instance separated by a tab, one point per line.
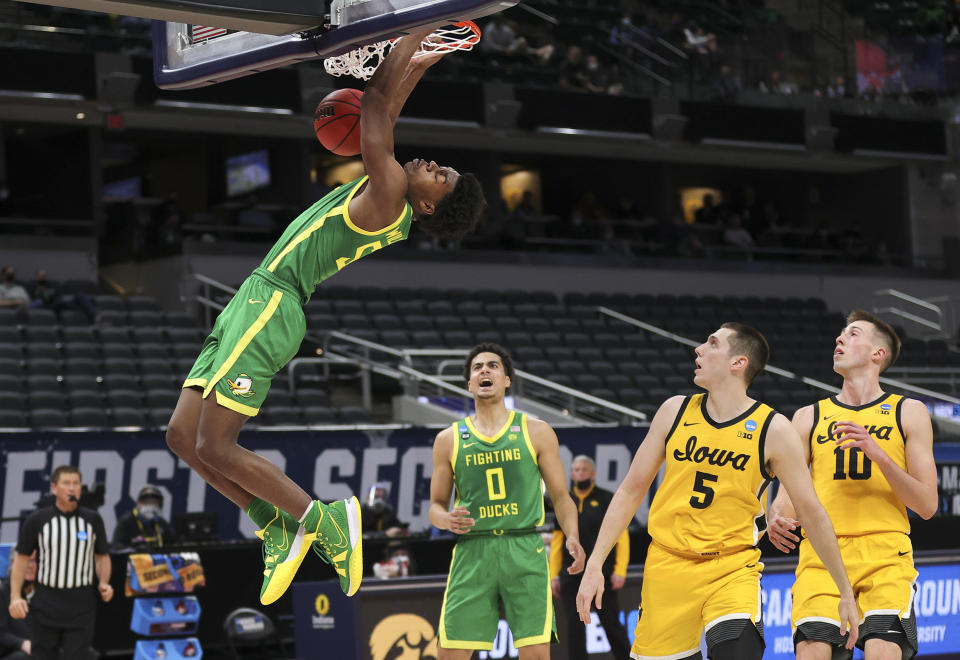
501	38
46	296
838	89
526	208
377	514
573	72
15	633
600	79
735	234
587	220
708	213
398	562
775	84
144	526
727	85
11	293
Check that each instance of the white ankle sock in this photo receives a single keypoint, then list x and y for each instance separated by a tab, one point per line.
306	513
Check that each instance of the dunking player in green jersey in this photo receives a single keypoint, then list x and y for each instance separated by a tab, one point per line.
261	328
496	459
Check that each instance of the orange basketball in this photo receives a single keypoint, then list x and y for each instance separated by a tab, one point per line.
337	121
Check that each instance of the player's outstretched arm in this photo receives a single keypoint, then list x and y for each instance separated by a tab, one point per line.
458	520
917	485
545	443
785	453
646	463
782	520
382	200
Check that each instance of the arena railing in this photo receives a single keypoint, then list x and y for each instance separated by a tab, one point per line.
580	406
784	373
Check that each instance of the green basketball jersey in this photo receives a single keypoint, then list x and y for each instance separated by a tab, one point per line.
497	478
322	240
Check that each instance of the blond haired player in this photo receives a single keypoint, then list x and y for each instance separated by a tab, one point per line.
871	456
703	567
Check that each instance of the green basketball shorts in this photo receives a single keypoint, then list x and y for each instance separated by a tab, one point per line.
512	568
256	334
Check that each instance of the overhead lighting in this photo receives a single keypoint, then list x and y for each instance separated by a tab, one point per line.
81	115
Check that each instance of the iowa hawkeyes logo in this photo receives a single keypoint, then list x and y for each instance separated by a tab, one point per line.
403	637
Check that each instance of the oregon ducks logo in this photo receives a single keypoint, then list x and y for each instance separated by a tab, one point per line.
322	604
403	637
242	386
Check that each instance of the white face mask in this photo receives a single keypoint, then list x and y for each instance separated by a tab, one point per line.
148	511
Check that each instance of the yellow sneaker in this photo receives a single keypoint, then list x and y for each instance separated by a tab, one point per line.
285	544
339	540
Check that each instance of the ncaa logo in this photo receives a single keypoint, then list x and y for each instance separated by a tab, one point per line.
750	425
82	535
885	406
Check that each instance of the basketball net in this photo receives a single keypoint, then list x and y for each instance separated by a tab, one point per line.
363	62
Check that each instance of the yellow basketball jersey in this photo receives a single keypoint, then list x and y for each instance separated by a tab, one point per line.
710	501
854	492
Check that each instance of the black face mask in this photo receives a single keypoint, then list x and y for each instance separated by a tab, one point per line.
583	485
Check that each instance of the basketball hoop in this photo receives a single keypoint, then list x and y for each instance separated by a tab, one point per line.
363	62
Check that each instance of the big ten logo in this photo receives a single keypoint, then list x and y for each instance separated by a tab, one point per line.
502	644
403	637
322	604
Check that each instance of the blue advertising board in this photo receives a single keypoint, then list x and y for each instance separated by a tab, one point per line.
330	465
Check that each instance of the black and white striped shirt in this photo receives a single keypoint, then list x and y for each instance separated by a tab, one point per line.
66	544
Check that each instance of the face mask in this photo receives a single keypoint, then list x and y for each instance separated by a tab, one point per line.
148	511
379	504
583	485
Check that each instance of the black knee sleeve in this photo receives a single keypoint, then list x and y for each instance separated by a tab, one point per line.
748	646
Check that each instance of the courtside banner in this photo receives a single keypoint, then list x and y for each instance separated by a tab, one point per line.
330	465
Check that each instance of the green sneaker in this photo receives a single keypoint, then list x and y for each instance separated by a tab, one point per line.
285	544
339	541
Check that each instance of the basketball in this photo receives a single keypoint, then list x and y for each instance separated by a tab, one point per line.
337	122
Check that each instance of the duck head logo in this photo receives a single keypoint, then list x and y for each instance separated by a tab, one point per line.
242	385
403	637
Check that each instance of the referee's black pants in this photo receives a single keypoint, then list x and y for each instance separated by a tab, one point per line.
61	623
609	619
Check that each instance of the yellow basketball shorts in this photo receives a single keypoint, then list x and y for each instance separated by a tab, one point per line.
880	569
256	334
683	597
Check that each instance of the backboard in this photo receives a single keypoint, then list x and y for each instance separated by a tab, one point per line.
192	54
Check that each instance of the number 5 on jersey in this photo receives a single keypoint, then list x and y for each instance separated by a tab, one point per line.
700	487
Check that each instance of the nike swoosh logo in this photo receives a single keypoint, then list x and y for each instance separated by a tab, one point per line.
750	565
254	302
297	542
690	423
903	553
344	543
830	416
469	444
539	550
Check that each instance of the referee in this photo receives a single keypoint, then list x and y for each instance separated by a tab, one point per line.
71	547
592	503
